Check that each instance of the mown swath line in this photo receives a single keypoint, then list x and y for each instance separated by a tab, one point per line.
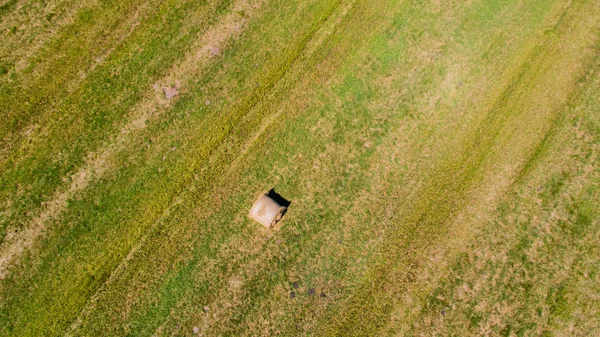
370	288
43	21
95	166
173	187
79	179
36	165
55	71
13	246
153	107
244	309
363	305
177	200
314	43
275	85
558	121
541	151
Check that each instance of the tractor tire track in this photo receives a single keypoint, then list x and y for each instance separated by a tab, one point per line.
227	29
98	162
309	45
372	296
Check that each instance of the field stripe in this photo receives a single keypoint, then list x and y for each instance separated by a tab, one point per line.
197	157
396	140
318	35
35	24
218	297
257	261
317	39
491	275
56	71
192	65
16	243
371	293
34	161
228	28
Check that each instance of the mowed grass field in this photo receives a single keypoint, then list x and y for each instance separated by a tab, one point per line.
442	159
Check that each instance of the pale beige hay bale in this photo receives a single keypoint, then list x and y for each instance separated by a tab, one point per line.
266	211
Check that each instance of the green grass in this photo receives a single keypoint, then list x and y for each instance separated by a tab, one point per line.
441	160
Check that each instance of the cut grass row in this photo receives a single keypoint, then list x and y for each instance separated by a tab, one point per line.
162	190
65	133
183	280
144	249
534	267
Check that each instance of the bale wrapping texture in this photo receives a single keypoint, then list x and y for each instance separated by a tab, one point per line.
266	211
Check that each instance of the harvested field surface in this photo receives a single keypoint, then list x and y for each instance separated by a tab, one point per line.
442	159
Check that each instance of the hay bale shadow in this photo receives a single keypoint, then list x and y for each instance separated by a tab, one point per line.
278	198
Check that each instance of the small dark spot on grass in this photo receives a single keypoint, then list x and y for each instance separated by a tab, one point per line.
292	294
311	291
323	294
296	285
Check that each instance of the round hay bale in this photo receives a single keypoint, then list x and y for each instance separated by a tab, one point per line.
266	211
